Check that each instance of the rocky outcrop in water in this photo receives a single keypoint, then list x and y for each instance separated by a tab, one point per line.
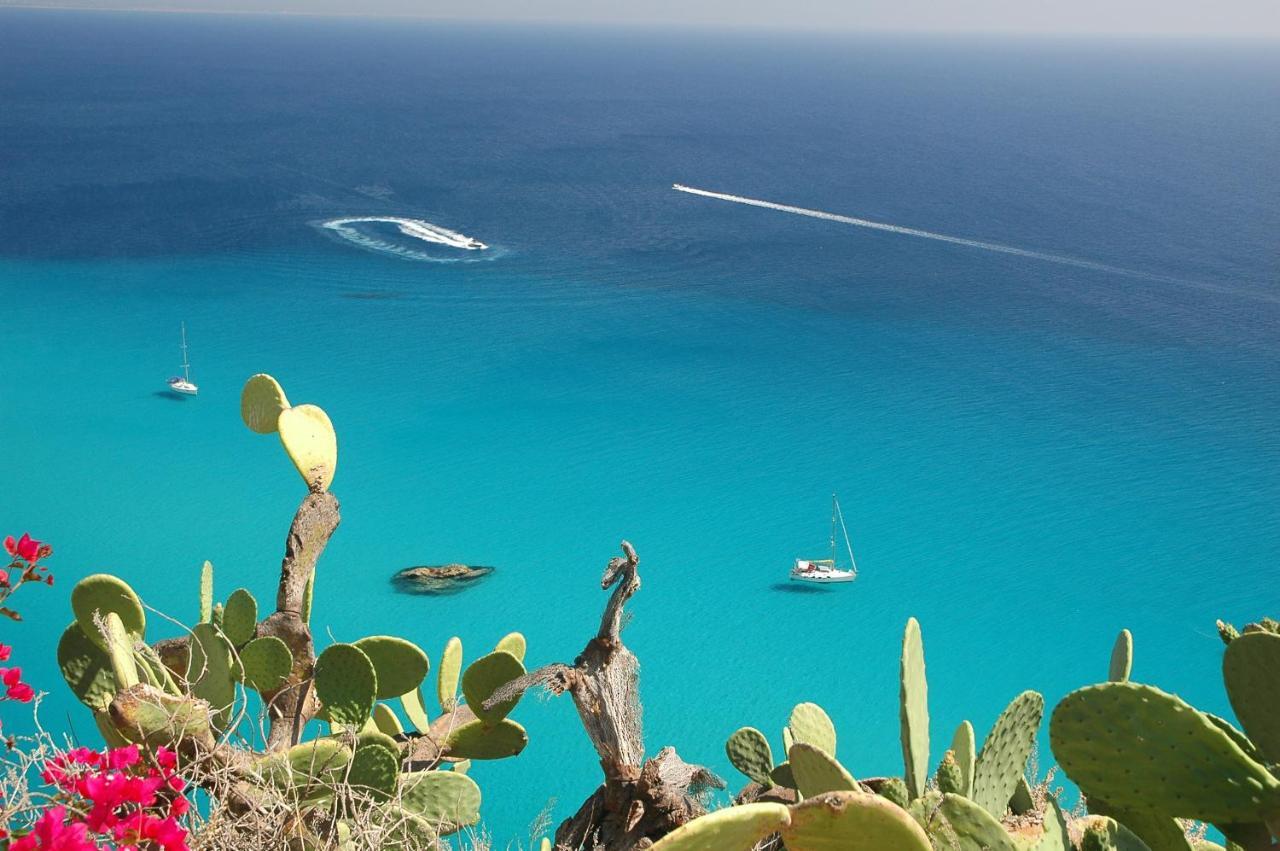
439	579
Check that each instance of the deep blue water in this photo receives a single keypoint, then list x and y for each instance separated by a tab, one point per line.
1030	455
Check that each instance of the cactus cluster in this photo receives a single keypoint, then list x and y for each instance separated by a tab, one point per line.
190	691
1144	757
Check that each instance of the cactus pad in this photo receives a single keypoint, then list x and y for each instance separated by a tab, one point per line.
206	592
375	768
1121	658
86	668
486	675
1003	757
261	402
319	762
267	663
103	593
400	664
782	775
308	591
730	829
124	667
809	724
973	827
447	676
1105	834
962	748
346	684
210	669
1137	747
415	709
146	715
312	445
949	777
240	617
474	740
446	800
749	751
851	821
817	772
913	710
384	718
1251	673
513	643
893	789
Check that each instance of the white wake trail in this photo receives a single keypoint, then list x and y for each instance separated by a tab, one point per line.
925	234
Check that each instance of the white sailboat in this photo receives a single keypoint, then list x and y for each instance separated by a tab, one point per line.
828	570
182	384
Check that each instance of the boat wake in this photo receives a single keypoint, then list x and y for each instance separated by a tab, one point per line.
939	237
364	231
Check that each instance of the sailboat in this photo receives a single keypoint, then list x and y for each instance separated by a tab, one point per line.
182	384
828	570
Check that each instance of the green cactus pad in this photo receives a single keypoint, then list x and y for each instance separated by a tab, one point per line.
1137	747
206	592
414	708
447	676
913	709
446	800
513	643
124	666
962	746
1251	673
346	684
146	715
749	751
787	739
308	591
948	776
1004	754
400	664
893	789
319	762
1121	658
1053	830
110	735
384	717
312	446
1105	834
973	828
86	667
267	663
730	829
809	724
240	617
211	671
216	617
817	772
1021	801
851	821
261	402
375	769
1159	832
782	775
1238	737
474	740
103	593
404	831
486	675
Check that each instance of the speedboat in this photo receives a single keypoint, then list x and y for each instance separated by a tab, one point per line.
826	571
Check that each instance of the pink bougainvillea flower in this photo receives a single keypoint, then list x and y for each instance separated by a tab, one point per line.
52	832
16	689
26	548
5	650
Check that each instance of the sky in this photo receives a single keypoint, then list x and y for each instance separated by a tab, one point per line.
1256	18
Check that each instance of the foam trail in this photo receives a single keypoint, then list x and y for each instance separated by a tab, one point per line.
925	234
417	228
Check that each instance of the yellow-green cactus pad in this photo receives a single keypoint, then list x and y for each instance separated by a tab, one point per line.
375	766
444	799
240	617
401	665
311	443
851	821
450	671
962	746
971	827
913	710
206	592
211	669
1251	673
261	402
810	724
475	740
729	829
346	684
103	593
1121	658
411	702
86	668
124	667
1005	751
146	715
513	643
816	771
485	676
266	662
384	718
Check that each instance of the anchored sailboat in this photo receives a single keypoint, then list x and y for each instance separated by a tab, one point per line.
182	384
828	570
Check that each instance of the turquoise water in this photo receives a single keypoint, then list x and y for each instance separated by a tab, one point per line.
1030	456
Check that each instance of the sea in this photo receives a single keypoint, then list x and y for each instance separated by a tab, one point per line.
1030	454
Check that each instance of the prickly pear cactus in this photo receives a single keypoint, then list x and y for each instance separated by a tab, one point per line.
851	821
513	643
962	748
749	751
240	617
485	676
949	777
261	402
730	829
914	709
450	671
1004	754
1105	834
893	789
477	740
1135	746
971	826
206	592
266	662
1121	658
810	724
311	443
400	665
442	798
346	684
1251	673
817	772
102	593
414	708
86	668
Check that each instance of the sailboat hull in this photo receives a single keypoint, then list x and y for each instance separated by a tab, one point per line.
182	387
826	578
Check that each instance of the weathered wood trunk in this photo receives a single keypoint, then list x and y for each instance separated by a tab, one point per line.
640	801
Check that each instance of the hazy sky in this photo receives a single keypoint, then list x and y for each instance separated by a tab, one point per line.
1162	17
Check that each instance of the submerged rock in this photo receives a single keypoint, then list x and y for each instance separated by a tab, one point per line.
439	579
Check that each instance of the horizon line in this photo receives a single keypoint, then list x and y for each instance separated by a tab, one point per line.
1072	34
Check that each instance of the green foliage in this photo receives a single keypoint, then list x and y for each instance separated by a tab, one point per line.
86	668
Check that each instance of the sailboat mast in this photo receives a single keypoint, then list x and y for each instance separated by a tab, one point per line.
186	365
853	564
834	508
